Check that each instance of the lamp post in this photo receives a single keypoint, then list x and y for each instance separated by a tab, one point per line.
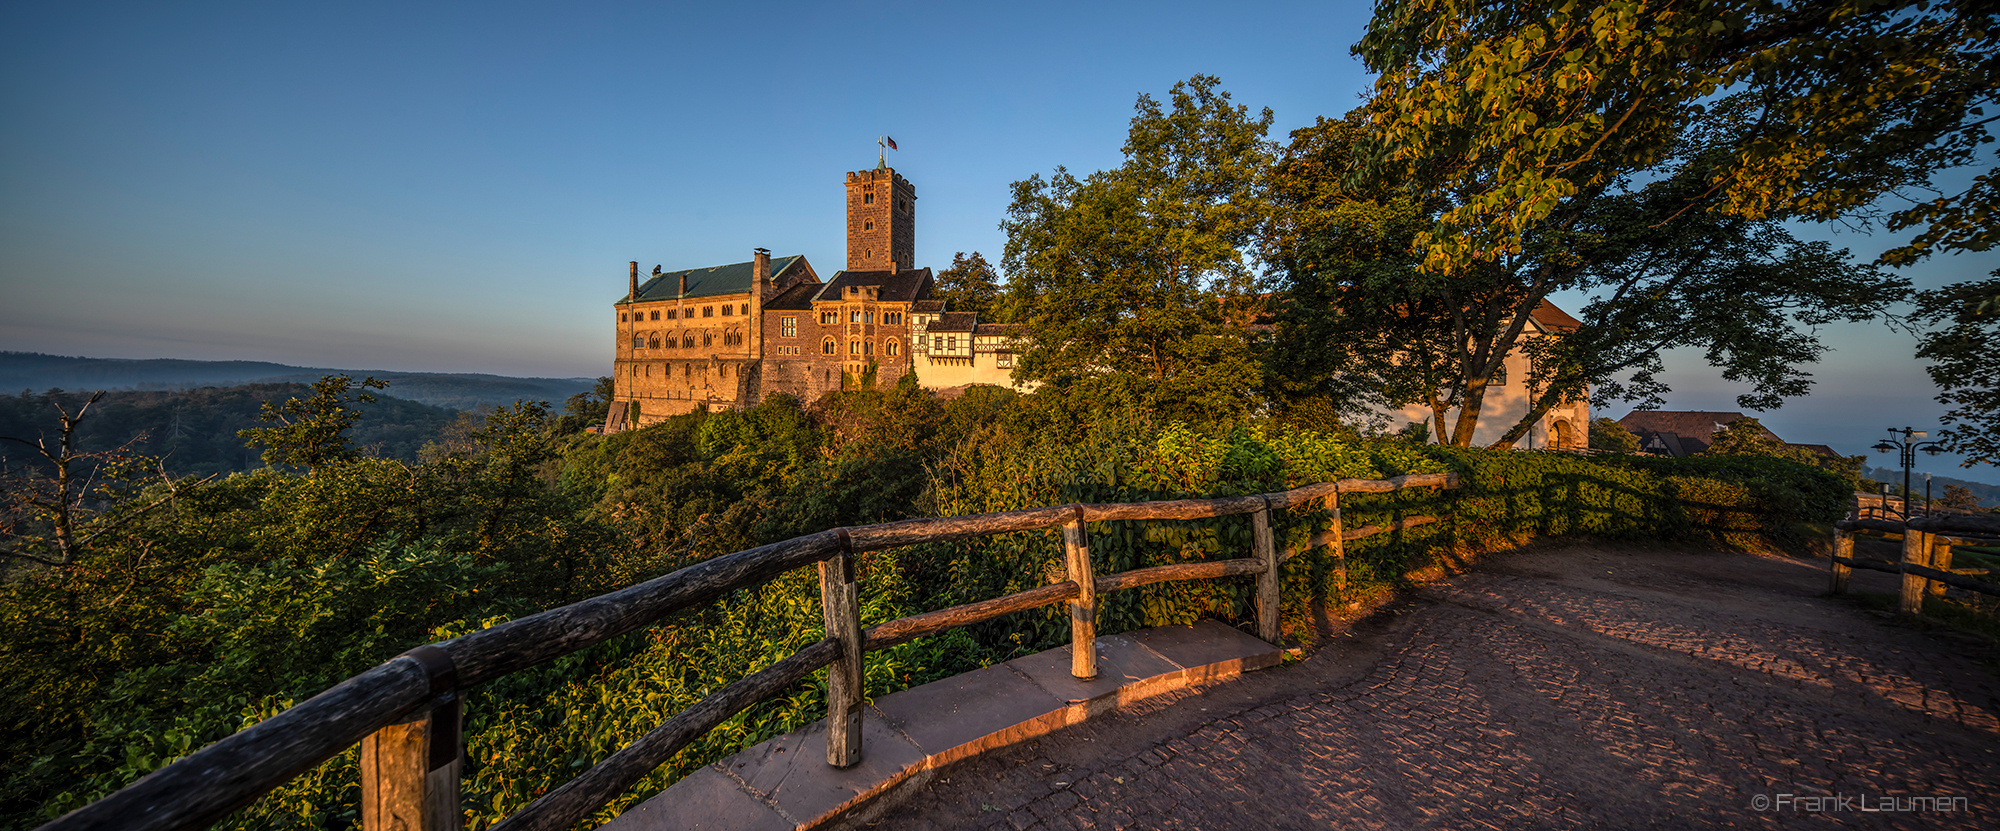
1908	446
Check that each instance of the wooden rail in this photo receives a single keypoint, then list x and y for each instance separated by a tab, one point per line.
1926	563
406	711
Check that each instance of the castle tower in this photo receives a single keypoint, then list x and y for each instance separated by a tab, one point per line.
881	221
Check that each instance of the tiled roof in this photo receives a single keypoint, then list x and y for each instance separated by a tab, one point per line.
707	282
795	299
997	329
1699	424
1553	319
927	306
1687	432
1821	449
955	322
903	285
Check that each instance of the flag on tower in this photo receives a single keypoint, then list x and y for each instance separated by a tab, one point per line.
892	142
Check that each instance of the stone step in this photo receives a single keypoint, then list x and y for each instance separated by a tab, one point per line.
785	783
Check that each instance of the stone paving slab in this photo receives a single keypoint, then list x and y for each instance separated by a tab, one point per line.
1126	671
965	714
706	799
1577	686
786	783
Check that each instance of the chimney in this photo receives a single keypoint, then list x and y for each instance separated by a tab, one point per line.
634	296
684	284
760	265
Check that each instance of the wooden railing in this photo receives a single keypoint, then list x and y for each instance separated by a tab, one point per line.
406	712
1926	559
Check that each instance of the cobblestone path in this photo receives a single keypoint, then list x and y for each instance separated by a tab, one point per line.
1558	688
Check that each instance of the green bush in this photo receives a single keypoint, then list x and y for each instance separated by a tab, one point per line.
1508	495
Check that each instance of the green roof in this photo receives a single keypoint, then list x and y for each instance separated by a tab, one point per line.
713	281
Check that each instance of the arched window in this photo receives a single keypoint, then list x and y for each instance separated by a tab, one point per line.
891	347
653	342
687	340
638	341
708	339
867	347
826	346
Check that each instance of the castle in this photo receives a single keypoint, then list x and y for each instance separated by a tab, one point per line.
726	336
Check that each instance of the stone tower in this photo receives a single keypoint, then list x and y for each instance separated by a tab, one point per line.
881	221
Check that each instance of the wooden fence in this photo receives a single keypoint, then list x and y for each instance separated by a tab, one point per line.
1926	561
406	712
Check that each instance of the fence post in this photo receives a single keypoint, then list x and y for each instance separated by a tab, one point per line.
410	770
840	605
1916	551
1843	548
1267	580
1082	610
1940	560
1340	541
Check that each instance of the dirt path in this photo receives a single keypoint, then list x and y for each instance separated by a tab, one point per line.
1563	687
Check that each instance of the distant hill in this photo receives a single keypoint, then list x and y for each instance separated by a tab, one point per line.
194	431
1989	495
38	372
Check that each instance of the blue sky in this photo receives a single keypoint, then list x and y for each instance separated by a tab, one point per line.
458	186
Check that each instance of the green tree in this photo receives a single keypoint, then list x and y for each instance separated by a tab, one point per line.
1841	103
1963	347
312	433
1745	437
1749	437
1361	305
971	285
1138	278
1608	436
1959	497
587	409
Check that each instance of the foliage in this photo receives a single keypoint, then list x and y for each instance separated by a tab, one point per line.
587	409
1608	436
52	511
1361	310
312	432
1958	497
1748	437
1551	103
1731	500
1745	437
1963	347
971	285
1134	281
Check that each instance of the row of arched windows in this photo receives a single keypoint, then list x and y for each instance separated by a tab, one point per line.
728	309
687	370
890	347
685	340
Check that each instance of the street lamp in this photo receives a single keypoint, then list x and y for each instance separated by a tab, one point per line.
1908	445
